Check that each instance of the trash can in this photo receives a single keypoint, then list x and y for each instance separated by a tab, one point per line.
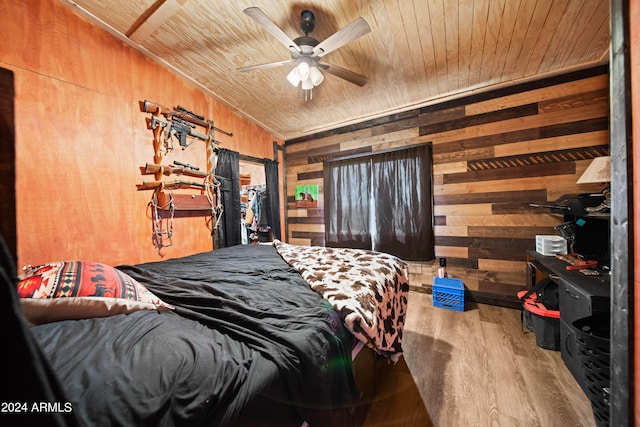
545	323
593	342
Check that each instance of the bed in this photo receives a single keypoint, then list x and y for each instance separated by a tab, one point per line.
250	335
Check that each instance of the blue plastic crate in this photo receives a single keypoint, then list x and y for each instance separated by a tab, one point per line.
448	293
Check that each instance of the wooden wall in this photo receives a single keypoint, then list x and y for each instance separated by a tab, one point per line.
81	139
493	153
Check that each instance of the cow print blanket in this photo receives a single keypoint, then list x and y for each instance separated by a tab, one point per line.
369	290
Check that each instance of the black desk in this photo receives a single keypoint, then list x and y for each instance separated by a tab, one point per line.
580	296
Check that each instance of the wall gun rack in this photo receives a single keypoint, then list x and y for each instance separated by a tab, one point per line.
184	127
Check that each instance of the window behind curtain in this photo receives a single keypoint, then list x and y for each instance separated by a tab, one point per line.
381	202
347	188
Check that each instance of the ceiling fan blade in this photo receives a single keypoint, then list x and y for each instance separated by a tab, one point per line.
265	66
343	73
346	34
261	18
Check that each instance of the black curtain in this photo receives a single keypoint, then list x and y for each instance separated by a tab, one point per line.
273	196
381	202
401	184
347	186
220	238
228	168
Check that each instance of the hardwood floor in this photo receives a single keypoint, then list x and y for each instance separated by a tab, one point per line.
475	368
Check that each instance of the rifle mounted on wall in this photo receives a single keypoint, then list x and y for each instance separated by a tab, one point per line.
151	168
179	123
170	185
176	128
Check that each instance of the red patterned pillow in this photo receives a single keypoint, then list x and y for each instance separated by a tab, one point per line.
80	290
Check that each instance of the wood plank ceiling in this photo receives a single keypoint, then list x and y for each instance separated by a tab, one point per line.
418	52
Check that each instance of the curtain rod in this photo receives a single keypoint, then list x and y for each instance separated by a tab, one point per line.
379	152
253	159
248	158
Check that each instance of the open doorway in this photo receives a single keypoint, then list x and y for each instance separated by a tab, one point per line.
253	186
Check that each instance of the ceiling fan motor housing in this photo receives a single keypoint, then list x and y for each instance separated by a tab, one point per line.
306	42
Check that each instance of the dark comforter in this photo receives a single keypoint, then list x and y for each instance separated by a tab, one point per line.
249	343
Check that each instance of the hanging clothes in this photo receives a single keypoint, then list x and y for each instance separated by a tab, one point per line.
263	211
257	216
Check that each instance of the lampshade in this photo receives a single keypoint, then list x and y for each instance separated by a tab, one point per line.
293	77
315	75
598	171
303	70
306	73
307	84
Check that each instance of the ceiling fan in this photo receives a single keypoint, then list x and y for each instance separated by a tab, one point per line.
307	52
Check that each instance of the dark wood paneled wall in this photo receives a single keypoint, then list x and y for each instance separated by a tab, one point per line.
494	153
